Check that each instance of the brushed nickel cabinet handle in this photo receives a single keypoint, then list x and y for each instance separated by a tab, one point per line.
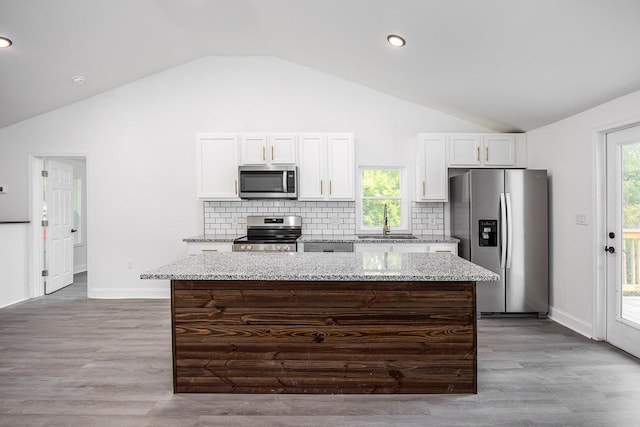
330	189
321	190
236	186
264	153
486	154
272	151
477	154
424	188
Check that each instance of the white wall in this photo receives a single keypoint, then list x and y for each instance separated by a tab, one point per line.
139	143
567	150
13	269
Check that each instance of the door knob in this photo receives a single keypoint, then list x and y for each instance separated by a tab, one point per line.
610	249
73	230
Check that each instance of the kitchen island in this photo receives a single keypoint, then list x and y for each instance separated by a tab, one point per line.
323	323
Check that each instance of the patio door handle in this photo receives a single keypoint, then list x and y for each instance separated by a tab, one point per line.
610	249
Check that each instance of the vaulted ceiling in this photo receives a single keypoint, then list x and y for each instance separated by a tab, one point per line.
511	65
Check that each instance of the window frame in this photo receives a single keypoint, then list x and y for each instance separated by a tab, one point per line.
405	203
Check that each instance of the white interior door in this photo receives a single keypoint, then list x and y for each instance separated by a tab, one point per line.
59	235
623	238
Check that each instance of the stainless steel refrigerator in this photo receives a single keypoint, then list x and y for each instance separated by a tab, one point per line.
501	219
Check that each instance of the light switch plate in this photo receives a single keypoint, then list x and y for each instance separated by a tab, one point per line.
582	219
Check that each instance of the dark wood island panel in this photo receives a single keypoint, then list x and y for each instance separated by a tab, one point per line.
323	336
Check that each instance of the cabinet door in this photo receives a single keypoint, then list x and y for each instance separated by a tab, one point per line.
217	166
371	247
340	167
464	150
197	248
253	149
451	248
411	247
499	150
282	149
432	182
311	171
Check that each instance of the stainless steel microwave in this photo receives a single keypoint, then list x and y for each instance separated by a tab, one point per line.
268	182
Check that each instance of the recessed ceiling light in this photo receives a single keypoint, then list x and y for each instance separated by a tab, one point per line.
77	79
5	42
395	40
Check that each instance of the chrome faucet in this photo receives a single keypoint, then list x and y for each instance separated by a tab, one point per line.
385	227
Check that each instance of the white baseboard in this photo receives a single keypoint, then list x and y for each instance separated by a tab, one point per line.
571	322
139	293
79	268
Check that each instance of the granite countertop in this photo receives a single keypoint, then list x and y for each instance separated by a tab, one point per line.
389	239
346	266
204	238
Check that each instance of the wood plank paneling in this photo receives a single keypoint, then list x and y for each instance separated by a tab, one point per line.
324	337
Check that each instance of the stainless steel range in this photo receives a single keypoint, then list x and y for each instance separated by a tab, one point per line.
270	234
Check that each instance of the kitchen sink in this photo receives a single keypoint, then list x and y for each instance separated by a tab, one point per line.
387	237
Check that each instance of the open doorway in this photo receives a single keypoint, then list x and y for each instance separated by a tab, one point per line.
59	209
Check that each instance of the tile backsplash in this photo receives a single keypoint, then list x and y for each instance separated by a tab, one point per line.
317	217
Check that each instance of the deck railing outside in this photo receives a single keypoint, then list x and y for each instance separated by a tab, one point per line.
631	262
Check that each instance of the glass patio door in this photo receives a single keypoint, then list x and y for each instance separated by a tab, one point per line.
623	239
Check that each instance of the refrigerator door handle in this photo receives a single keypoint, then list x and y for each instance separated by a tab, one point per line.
503	231
509	231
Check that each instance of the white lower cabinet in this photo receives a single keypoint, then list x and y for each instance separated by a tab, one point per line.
451	248
196	248
407	247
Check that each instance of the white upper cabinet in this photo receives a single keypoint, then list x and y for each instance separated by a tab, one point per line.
464	150
431	168
326	166
311	168
265	149
217	166
487	150
499	150
340	166
283	149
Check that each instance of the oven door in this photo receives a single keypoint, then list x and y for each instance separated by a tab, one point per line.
258	182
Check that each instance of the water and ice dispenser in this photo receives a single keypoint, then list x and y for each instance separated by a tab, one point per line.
488	230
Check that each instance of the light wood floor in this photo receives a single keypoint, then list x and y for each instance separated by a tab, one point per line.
69	361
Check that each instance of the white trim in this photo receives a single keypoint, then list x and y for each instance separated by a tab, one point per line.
79	268
599	289
152	292
36	284
571	322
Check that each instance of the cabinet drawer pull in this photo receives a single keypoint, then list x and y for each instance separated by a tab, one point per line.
477	154
424	188
330	188
486	154
264	153
235	183
209	250
272	151
321	190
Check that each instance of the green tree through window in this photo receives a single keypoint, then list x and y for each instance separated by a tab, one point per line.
380	187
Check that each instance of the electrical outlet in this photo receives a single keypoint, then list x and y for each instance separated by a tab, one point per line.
582	219
130	265
431	219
